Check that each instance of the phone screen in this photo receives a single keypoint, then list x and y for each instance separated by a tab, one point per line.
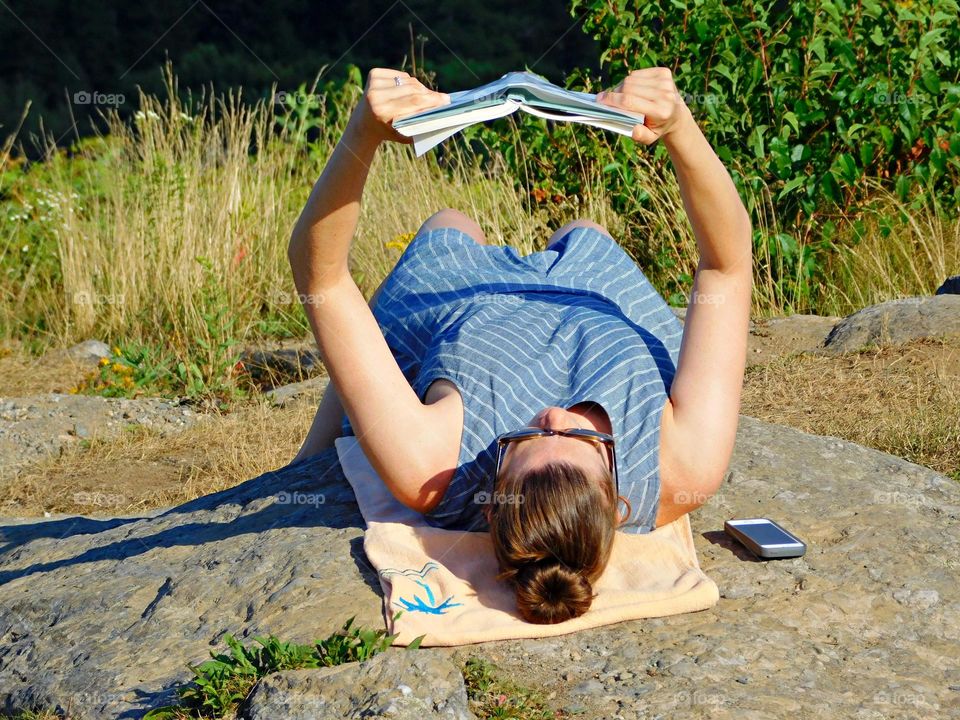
764	533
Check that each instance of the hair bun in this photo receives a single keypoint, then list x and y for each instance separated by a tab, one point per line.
551	593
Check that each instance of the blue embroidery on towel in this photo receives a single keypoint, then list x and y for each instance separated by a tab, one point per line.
418	604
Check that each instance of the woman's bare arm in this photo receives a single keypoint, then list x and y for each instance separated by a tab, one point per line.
700	418
407	442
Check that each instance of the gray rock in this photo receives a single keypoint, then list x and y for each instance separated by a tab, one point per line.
951	286
896	321
285	394
589	687
290	361
101	616
88	351
397	684
773	338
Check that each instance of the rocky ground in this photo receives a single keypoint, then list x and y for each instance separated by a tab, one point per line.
99	615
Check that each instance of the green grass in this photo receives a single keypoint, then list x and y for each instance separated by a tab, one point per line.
223	682
492	696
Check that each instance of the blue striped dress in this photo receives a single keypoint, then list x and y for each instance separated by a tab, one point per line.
578	322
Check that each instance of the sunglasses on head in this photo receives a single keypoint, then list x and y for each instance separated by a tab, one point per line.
591	436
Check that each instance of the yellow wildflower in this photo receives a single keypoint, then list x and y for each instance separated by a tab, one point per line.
116	350
401	241
104	361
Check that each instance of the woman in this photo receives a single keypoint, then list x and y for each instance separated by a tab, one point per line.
550	398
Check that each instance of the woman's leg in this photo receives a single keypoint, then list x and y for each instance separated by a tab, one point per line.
559	234
448	217
326	423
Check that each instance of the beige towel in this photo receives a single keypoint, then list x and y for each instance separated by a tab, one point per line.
444	582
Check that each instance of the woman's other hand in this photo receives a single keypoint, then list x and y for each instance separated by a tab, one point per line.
383	101
652	92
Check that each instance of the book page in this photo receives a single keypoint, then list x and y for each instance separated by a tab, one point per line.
426	141
465	117
617	126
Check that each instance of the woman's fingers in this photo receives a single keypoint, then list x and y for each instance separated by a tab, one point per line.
633	103
387	74
652	92
410	104
385	100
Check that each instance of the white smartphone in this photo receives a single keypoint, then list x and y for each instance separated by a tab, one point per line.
765	538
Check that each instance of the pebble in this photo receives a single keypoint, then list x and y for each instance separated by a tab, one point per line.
589	687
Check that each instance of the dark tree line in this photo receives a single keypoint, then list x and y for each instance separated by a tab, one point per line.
67	57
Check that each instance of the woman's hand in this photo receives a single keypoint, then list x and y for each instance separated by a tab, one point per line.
650	91
383	101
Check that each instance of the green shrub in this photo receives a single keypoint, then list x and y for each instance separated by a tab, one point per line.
806	99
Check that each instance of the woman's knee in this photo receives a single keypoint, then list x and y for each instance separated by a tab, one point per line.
450	218
562	231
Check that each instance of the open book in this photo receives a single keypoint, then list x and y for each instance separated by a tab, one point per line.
524	90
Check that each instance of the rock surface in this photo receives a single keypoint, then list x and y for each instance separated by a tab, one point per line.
285	394
100	616
282	362
773	338
89	351
34	427
896	321
401	685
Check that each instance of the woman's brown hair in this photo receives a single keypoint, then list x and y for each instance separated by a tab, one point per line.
552	532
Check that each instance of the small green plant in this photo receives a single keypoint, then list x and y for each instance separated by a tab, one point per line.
130	370
222	683
210	371
493	697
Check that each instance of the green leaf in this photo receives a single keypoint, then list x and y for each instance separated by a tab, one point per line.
791	119
931	82
887	137
791	186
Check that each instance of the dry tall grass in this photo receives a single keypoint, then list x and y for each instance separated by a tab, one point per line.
905	250
216	179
